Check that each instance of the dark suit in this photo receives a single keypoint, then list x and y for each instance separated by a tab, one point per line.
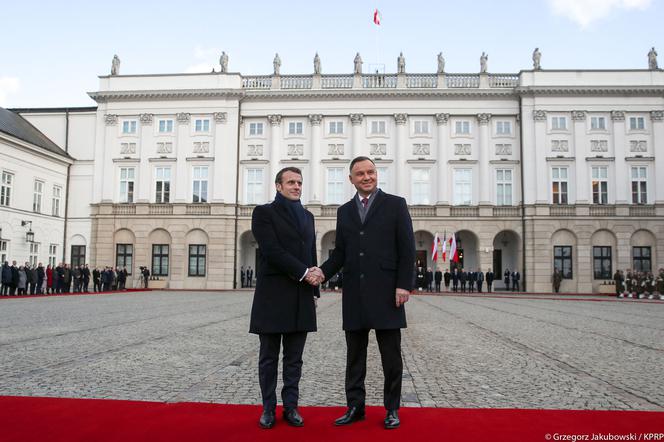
377	257
489	280
283	308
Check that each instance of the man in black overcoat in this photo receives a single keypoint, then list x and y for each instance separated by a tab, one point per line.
438	277
284	306
375	246
489	280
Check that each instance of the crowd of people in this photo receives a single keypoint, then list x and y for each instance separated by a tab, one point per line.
50	280
464	281
641	285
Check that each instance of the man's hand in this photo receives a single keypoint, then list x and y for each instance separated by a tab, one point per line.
402	297
315	276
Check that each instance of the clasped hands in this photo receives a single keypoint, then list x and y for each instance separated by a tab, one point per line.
315	276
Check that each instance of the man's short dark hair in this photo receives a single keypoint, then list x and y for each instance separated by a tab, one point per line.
357	160
277	179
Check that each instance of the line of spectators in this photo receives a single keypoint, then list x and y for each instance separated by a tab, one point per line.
639	285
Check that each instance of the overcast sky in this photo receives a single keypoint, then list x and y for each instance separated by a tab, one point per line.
52	52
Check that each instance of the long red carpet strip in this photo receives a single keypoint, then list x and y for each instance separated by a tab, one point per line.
55	419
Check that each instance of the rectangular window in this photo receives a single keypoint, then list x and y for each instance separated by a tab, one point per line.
33	256
383	178
160	259
201	125
165	126
559	123
52	254
295	128
124	256
200	184
162	185
255	129
600	185
37	196
3	251
559	185
641	259
504	187
6	189
129	127
335	185
197	260
254	186
602	262
77	256
421	127
463	187
378	128
462	127
503	127
421	186
336	127
127	177
57	195
597	123
562	260
639	185
637	123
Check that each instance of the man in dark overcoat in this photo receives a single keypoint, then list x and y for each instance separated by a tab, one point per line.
284	306
375	246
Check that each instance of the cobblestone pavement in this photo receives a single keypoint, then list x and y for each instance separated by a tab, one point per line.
458	351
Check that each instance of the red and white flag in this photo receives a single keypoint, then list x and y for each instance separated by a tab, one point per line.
377	16
445	247
434	248
454	256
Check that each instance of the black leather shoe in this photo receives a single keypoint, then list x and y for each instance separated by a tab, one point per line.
293	417
353	414
392	420
267	419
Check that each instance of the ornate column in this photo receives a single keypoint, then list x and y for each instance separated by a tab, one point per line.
399	149
536	190
220	136
356	143
580	149
182	134
657	119
145	139
316	175
442	189
483	158
619	144
275	151
106	191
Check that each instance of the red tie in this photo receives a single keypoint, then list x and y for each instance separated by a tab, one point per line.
365	202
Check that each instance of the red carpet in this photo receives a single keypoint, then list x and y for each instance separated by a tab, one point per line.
112	292
51	419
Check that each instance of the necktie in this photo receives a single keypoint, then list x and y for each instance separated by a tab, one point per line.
365	202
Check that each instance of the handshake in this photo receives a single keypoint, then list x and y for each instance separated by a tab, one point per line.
315	276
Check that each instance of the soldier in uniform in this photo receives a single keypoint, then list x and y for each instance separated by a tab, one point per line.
557	278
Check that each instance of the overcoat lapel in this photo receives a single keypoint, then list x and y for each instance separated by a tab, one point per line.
380	197
283	212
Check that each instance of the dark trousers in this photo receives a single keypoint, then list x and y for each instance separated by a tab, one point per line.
268	363
389	344
488	286
479	286
437	286
455	286
463	286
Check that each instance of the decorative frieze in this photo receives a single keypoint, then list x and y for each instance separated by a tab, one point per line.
183	117
201	147
442	118
356	119
483	119
400	118
295	150
578	115
275	120
255	150
503	149
111	119
462	149
378	149
335	149
657	115
165	147
146	119
618	115
559	146
421	149
221	117
315	119
127	148
638	146
539	115
599	146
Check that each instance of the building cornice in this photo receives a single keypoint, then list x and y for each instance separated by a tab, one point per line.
377	93
590	90
34	149
175	94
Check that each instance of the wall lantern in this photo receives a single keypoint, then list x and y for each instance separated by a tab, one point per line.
29	235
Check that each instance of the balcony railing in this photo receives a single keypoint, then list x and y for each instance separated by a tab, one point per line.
198	209
329	211
602	210
503	80
161	209
422	81
336	81
464	212
562	210
462	80
124	209
245	210
642	211
296	82
506	211
257	82
421	212
372	81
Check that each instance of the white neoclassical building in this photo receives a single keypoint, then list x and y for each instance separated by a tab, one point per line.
532	170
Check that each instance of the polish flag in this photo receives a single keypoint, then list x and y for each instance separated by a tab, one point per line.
454	256
445	247
434	249
377	16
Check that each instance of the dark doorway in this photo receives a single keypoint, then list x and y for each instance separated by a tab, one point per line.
497	261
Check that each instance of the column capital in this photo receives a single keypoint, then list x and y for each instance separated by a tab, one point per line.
483	119
356	119
442	118
657	115
221	117
183	117
578	115
539	115
617	115
315	119
111	119
275	120
146	119
400	118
